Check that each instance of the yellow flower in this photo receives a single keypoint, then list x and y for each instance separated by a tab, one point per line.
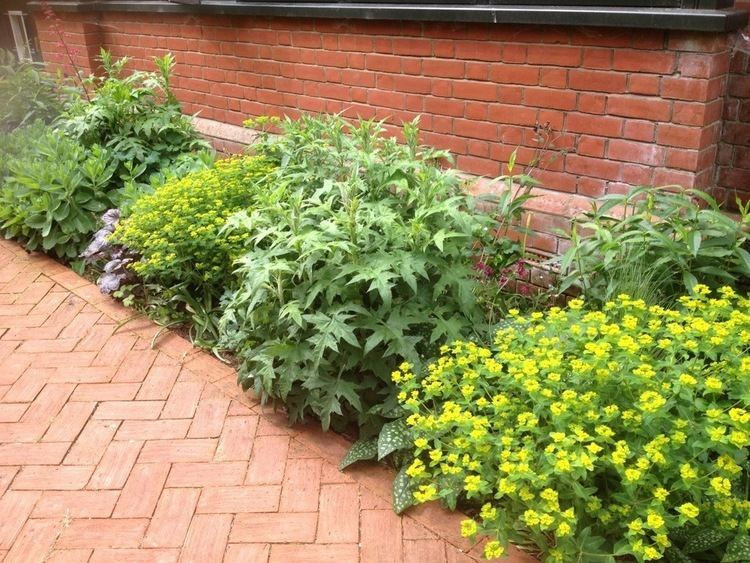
713	384
420	443
689	510
493	550
563	530
721	486
468	528
654	520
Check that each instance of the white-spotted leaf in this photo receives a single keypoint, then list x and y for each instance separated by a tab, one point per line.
360	450
403	492
394	436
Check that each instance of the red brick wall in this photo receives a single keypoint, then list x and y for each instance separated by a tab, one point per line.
628	107
733	163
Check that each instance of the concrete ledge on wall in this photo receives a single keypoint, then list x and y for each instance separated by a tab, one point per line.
226	138
709	20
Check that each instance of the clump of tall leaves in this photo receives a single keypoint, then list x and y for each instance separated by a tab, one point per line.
53	192
655	244
360	257
136	117
27	93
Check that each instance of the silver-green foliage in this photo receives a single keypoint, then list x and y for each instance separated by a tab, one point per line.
360	258
53	193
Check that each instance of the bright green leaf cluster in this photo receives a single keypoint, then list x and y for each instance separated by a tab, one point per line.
593	433
177	230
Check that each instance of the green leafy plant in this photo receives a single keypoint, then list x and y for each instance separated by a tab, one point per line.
177	233
136	117
27	94
656	242
360	255
594	435
53	193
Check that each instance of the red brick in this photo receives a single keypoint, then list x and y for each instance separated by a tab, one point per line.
236	439
263	498
34	542
104	533
50	453
475	91
172	451
27	387
158	383
135	555
152	430
60	478
301	485
554	55
142	490
443	68
247	552
591	146
659	62
75	504
642	108
630	151
275	528
553	77
639	130
697	41
546	98
477	50
306	553
90	444
15	506
338	520
597	81
171	519
680	136
605	126
115	466
381	537
424	550
207	474
595	167
129	410
207	538
48	403
210	414
183	400
645	84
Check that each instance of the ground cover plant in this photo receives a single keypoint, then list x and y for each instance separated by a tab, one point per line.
360	255
619	431
656	243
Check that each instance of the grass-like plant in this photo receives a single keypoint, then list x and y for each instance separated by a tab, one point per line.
657	243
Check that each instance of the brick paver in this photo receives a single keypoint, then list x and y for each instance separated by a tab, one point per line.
113	451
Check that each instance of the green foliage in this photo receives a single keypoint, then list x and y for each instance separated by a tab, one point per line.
360	256
53	193
595	434
136	117
177	229
655	243
27	94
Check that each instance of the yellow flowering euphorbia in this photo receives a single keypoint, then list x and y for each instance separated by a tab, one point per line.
177	229
626	423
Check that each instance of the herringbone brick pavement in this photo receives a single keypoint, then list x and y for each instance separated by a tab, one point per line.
112	449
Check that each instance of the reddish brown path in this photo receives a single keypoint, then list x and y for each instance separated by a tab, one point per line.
113	448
